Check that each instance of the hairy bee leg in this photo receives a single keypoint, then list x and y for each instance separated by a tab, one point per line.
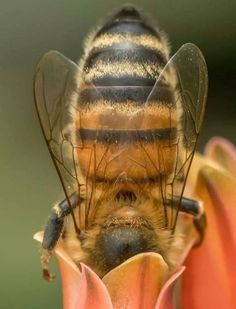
54	229
52	233
45	259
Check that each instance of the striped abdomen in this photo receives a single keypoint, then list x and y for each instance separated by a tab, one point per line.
122	64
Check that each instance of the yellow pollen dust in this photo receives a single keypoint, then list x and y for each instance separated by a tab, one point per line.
123	68
147	41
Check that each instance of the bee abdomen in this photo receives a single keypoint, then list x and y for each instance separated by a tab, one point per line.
122	63
126	52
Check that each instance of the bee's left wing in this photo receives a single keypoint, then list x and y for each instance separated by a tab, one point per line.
185	78
54	85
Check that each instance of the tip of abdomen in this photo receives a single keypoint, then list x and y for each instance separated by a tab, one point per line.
128	11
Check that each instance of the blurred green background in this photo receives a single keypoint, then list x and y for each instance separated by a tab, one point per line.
29	184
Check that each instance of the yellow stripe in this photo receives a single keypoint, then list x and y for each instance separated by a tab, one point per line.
104	114
147	41
118	69
103	106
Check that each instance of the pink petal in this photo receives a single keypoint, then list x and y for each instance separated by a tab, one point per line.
81	289
223	152
210	278
71	278
137	282
166	299
91	292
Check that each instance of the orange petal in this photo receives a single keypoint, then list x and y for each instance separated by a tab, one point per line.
166	299
223	152
91	292
137	282
81	290
210	278
70	276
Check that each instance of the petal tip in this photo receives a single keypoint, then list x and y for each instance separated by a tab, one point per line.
38	236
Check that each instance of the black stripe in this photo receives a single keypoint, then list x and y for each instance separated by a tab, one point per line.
135	94
114	94
126	53
132	27
123	136
124	80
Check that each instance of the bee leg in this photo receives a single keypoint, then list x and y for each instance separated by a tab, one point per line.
196	209
54	229
190	206
45	259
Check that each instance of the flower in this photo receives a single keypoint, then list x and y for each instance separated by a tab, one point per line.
140	282
145	281
210	279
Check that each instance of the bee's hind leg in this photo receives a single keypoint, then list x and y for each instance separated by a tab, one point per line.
45	259
53	231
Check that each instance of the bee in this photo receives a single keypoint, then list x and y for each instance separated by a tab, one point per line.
121	127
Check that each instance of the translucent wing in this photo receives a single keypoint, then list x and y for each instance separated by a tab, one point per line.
103	148
54	86
185	79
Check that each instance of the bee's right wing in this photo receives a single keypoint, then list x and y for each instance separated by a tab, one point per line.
181	89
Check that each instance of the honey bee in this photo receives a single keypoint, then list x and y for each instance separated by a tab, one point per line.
121	128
